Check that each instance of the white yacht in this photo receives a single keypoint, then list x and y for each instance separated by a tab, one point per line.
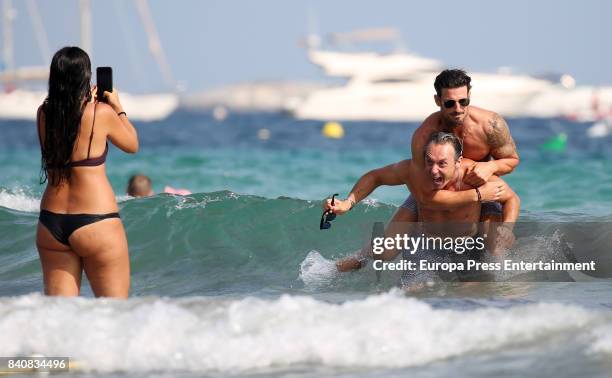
21	104
399	87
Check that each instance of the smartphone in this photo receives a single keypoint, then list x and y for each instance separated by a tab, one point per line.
104	76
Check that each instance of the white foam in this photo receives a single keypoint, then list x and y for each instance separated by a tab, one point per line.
248	335
19	199
371	203
602	340
123	198
316	271
22	200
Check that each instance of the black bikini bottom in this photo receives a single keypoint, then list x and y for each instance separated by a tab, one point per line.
62	226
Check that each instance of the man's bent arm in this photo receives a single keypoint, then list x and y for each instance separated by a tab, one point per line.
511	203
446	199
501	237
511	209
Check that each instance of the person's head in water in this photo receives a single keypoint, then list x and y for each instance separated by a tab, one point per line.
453	96
69	92
442	155
139	186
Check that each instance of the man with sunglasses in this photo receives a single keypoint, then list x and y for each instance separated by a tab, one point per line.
444	169
486	141
485	135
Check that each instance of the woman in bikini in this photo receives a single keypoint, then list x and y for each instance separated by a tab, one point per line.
79	225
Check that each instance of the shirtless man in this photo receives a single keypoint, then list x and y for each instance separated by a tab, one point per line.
484	134
445	169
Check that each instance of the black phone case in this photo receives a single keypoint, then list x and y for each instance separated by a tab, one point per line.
104	76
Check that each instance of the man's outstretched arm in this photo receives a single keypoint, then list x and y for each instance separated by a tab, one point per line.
389	175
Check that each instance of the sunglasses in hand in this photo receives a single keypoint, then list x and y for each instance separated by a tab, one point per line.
328	216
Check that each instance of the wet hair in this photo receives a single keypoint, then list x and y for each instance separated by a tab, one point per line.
445	138
69	92
139	186
454	78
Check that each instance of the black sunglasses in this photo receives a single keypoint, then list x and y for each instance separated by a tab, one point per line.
327	216
451	103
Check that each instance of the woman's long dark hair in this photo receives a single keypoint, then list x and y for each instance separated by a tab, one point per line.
69	91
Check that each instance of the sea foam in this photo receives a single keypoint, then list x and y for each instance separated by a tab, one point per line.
19	199
203	334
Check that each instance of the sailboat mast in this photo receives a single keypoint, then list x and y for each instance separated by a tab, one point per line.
154	42
7	32
39	31
86	39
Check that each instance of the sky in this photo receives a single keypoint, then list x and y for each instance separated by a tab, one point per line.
211	43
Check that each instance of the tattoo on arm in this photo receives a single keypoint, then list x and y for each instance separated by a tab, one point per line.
499	139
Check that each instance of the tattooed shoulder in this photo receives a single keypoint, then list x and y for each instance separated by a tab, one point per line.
497	132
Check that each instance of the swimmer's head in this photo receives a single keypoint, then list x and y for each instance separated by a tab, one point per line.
453	95
139	186
442	155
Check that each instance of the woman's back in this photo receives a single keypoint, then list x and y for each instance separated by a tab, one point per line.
87	190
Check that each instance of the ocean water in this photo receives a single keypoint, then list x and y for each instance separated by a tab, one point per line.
237	279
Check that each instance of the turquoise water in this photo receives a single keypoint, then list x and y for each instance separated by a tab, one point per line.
195	152
242	260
